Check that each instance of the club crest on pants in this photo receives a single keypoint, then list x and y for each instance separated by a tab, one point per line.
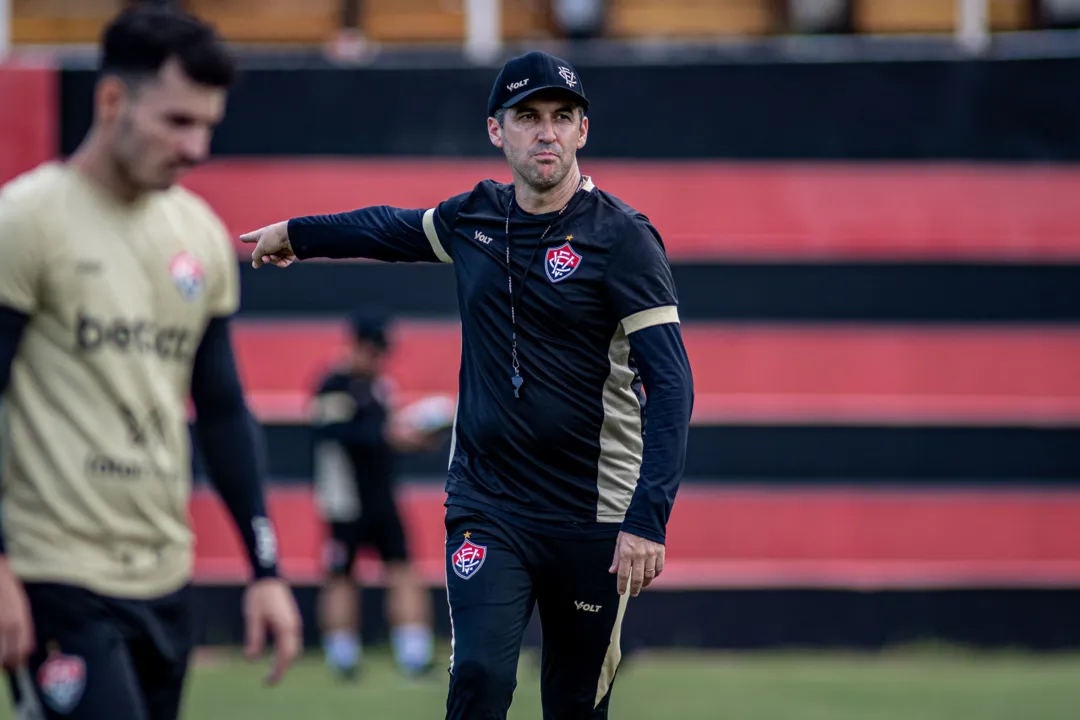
62	679
468	558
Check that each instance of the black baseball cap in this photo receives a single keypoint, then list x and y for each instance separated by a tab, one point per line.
370	324
530	73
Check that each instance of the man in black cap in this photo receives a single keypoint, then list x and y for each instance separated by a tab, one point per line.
357	438
556	495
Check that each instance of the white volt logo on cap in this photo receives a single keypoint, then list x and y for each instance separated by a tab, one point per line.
519	84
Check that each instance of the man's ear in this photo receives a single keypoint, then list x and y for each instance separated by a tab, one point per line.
495	133
583	133
110	95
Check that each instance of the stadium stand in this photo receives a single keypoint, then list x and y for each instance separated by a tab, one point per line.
437	21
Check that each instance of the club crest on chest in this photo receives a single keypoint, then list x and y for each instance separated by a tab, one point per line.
561	262
188	274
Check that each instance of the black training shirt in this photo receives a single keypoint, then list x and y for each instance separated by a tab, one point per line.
596	324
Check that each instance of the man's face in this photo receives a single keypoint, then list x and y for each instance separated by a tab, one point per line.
162	127
540	138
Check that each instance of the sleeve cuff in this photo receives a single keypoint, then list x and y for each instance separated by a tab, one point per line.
264	550
295	229
643	531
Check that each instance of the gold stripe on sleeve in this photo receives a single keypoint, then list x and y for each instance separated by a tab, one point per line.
433	237
648	318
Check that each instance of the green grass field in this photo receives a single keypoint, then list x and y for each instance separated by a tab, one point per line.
919	684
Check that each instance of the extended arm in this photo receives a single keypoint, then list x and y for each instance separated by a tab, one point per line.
377	233
232	445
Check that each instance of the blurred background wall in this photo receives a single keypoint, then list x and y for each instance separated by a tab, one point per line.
871	208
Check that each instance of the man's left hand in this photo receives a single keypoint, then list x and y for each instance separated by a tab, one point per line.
637	561
270	608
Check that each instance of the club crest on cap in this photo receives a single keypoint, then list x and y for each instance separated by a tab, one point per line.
568	75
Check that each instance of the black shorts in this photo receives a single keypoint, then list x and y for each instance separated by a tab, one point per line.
380	529
101	657
496	573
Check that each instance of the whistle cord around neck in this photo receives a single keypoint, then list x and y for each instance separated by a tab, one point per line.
515	364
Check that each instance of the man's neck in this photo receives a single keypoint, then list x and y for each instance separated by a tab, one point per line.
538	203
92	160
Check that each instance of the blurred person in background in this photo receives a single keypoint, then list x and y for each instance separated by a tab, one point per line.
580	19
116	293
357	439
562	478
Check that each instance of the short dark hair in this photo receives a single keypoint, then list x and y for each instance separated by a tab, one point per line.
142	38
